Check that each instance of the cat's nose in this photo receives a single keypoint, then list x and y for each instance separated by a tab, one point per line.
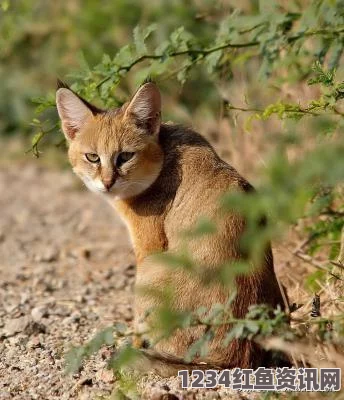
108	183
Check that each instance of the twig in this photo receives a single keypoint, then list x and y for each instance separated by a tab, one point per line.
206	52
194	52
315	33
330	211
231	107
284	296
337	264
341	251
308	259
305	242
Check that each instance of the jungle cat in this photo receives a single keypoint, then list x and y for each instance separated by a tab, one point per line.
161	178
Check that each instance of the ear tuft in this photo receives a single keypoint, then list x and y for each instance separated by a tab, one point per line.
148	79
60	85
145	108
72	110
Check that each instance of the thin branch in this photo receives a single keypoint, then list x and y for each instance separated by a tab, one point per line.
231	107
341	251
308	259
195	52
206	52
315	33
330	211
259	110
337	264
42	133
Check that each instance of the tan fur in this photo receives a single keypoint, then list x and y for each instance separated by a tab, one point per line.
186	180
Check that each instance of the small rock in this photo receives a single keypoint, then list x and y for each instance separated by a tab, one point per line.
157	394
38	313
5	395
169	396
80	298
11	308
130	270
61	311
18	340
34	343
86	291
80	253
109	274
105	375
105	353
76	315
120	282
24	297
48	255
126	312
74	318
86	382
34	328
14	326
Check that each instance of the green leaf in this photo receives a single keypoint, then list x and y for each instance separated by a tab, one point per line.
74	359
76	355
321	76
125	356
314	280
140	36
5	4
200	347
212	61
181	39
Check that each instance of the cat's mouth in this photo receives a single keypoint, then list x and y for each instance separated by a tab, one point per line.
119	189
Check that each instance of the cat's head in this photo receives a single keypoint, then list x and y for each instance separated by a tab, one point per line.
115	152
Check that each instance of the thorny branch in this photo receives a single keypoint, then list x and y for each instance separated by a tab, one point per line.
205	52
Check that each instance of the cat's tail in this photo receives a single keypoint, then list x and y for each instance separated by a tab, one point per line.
166	365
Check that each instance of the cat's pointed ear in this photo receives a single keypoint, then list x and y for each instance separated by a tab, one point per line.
73	112
145	108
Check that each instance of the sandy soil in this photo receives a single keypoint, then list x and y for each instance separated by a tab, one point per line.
66	272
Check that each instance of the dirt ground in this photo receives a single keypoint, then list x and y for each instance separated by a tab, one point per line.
66	271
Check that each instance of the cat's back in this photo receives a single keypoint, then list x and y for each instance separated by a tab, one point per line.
190	157
201	179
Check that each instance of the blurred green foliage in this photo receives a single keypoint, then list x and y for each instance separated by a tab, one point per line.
41	40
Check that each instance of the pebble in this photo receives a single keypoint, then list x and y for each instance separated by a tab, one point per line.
24	298
5	395
105	375
120	282
14	326
130	270
38	313
48	255
157	394
34	342
126	312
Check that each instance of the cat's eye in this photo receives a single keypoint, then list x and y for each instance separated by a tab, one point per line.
123	158
92	157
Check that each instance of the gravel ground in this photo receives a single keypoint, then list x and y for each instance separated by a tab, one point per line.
66	271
